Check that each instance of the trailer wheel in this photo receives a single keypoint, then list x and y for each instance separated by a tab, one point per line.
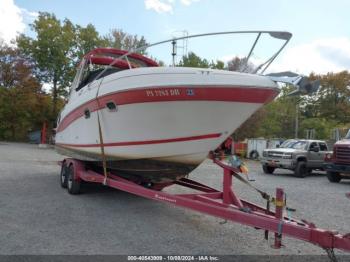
63	175
333	177
73	185
268	169
301	170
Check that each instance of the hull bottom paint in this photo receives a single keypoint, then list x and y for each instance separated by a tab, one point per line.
155	171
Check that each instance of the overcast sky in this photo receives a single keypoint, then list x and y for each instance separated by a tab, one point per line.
321	29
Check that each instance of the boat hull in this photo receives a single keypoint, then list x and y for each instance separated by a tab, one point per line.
159	126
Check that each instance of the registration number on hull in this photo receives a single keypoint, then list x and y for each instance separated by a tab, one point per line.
163	92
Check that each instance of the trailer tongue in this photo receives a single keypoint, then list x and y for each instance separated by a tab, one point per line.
224	204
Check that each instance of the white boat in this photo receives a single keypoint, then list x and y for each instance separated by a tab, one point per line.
156	123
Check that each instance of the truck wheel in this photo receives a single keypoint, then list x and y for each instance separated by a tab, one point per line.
301	169
254	155
73	185
63	175
268	169
333	177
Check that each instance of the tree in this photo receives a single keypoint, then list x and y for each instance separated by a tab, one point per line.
119	39
52	52
23	104
249	128
87	38
240	65
56	50
280	119
334	97
192	60
322	127
218	65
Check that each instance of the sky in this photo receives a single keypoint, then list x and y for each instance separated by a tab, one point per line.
321	29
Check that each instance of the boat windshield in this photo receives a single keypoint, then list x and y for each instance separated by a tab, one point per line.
101	62
295	144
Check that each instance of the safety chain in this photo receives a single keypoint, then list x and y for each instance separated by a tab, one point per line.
263	194
331	255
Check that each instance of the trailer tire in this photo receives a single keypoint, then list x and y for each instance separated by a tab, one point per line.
73	185
268	169
333	177
63	175
301	170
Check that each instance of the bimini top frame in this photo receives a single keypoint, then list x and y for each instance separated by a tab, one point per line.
282	35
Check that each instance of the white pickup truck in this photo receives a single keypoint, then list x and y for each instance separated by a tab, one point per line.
299	155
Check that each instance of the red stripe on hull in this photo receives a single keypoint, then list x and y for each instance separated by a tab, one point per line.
164	94
149	142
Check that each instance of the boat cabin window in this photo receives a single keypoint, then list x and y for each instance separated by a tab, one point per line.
90	75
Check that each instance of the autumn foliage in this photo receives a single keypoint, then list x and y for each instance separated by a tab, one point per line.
49	59
24	106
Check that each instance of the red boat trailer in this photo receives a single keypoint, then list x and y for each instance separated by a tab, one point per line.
224	204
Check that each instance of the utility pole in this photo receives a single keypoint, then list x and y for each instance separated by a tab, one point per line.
296	119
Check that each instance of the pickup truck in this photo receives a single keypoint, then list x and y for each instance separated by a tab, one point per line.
337	163
299	155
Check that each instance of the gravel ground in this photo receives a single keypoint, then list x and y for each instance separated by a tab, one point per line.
37	216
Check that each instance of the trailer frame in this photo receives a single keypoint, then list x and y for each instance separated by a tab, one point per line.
224	204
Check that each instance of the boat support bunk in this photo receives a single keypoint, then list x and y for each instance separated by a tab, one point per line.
224	204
